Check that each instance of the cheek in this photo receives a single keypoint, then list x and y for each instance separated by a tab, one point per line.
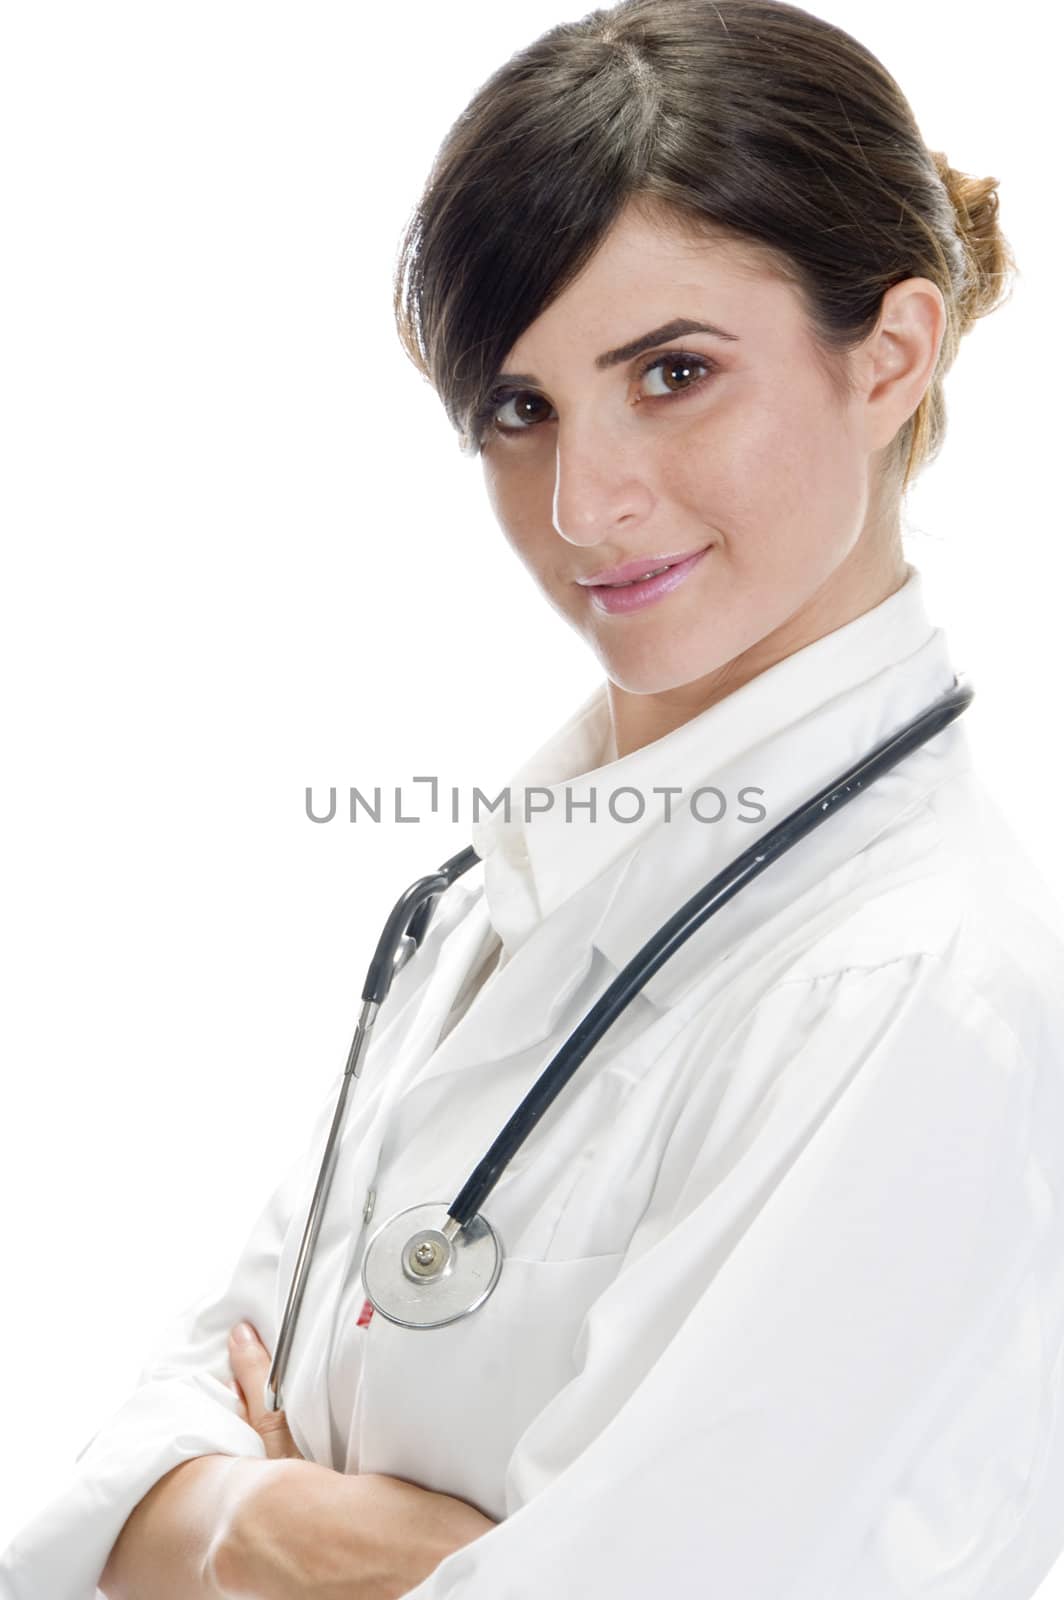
772	463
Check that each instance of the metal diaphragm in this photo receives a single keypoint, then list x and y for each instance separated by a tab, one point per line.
417	1277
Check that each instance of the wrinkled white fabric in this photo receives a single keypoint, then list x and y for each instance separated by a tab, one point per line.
781	1315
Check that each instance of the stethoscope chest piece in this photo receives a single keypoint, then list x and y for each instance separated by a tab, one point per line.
417	1276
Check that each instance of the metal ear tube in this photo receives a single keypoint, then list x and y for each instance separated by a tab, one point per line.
400	937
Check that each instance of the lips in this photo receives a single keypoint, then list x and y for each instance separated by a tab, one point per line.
655	572
630	571
635	594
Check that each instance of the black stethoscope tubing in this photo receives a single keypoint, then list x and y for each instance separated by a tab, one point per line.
681	925
408	923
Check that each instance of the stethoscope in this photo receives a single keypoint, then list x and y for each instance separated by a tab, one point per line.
432	1264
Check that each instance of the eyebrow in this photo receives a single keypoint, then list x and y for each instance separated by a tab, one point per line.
646	341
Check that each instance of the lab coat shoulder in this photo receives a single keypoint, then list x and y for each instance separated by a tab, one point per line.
949	879
827	1365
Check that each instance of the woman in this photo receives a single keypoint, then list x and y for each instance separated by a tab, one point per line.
780	1312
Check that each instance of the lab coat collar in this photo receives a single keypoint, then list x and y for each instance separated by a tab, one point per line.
550	965
787	732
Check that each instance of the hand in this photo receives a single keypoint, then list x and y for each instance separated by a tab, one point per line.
299	1531
250	1361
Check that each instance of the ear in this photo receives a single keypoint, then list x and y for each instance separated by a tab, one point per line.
897	361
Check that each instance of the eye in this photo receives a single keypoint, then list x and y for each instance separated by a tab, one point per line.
670	365
674	364
525	401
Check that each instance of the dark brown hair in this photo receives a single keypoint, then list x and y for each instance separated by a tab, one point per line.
748	118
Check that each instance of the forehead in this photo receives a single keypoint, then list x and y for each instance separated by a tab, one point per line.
646	273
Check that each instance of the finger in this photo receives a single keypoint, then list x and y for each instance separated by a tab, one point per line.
251	1365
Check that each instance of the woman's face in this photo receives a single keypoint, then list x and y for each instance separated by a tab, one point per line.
732	447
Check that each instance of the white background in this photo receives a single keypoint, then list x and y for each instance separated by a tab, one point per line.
242	554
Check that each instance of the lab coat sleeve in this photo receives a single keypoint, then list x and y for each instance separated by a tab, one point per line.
847	1392
181	1407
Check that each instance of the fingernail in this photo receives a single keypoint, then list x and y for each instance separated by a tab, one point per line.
242	1333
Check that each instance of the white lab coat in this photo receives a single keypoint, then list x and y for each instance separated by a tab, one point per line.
781	1315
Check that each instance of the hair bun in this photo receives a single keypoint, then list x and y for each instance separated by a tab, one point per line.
991	264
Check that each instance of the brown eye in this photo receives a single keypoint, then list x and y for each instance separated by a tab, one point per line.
681	373
687	372
524	413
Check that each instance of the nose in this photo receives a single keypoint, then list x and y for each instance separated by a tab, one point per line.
598	485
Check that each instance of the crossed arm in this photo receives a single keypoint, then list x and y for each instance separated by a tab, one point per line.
224	1527
842	1339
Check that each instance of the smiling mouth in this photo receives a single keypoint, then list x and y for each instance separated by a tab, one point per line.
626	573
623	596
643	576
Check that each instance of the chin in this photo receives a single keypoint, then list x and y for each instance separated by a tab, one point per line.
653	675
